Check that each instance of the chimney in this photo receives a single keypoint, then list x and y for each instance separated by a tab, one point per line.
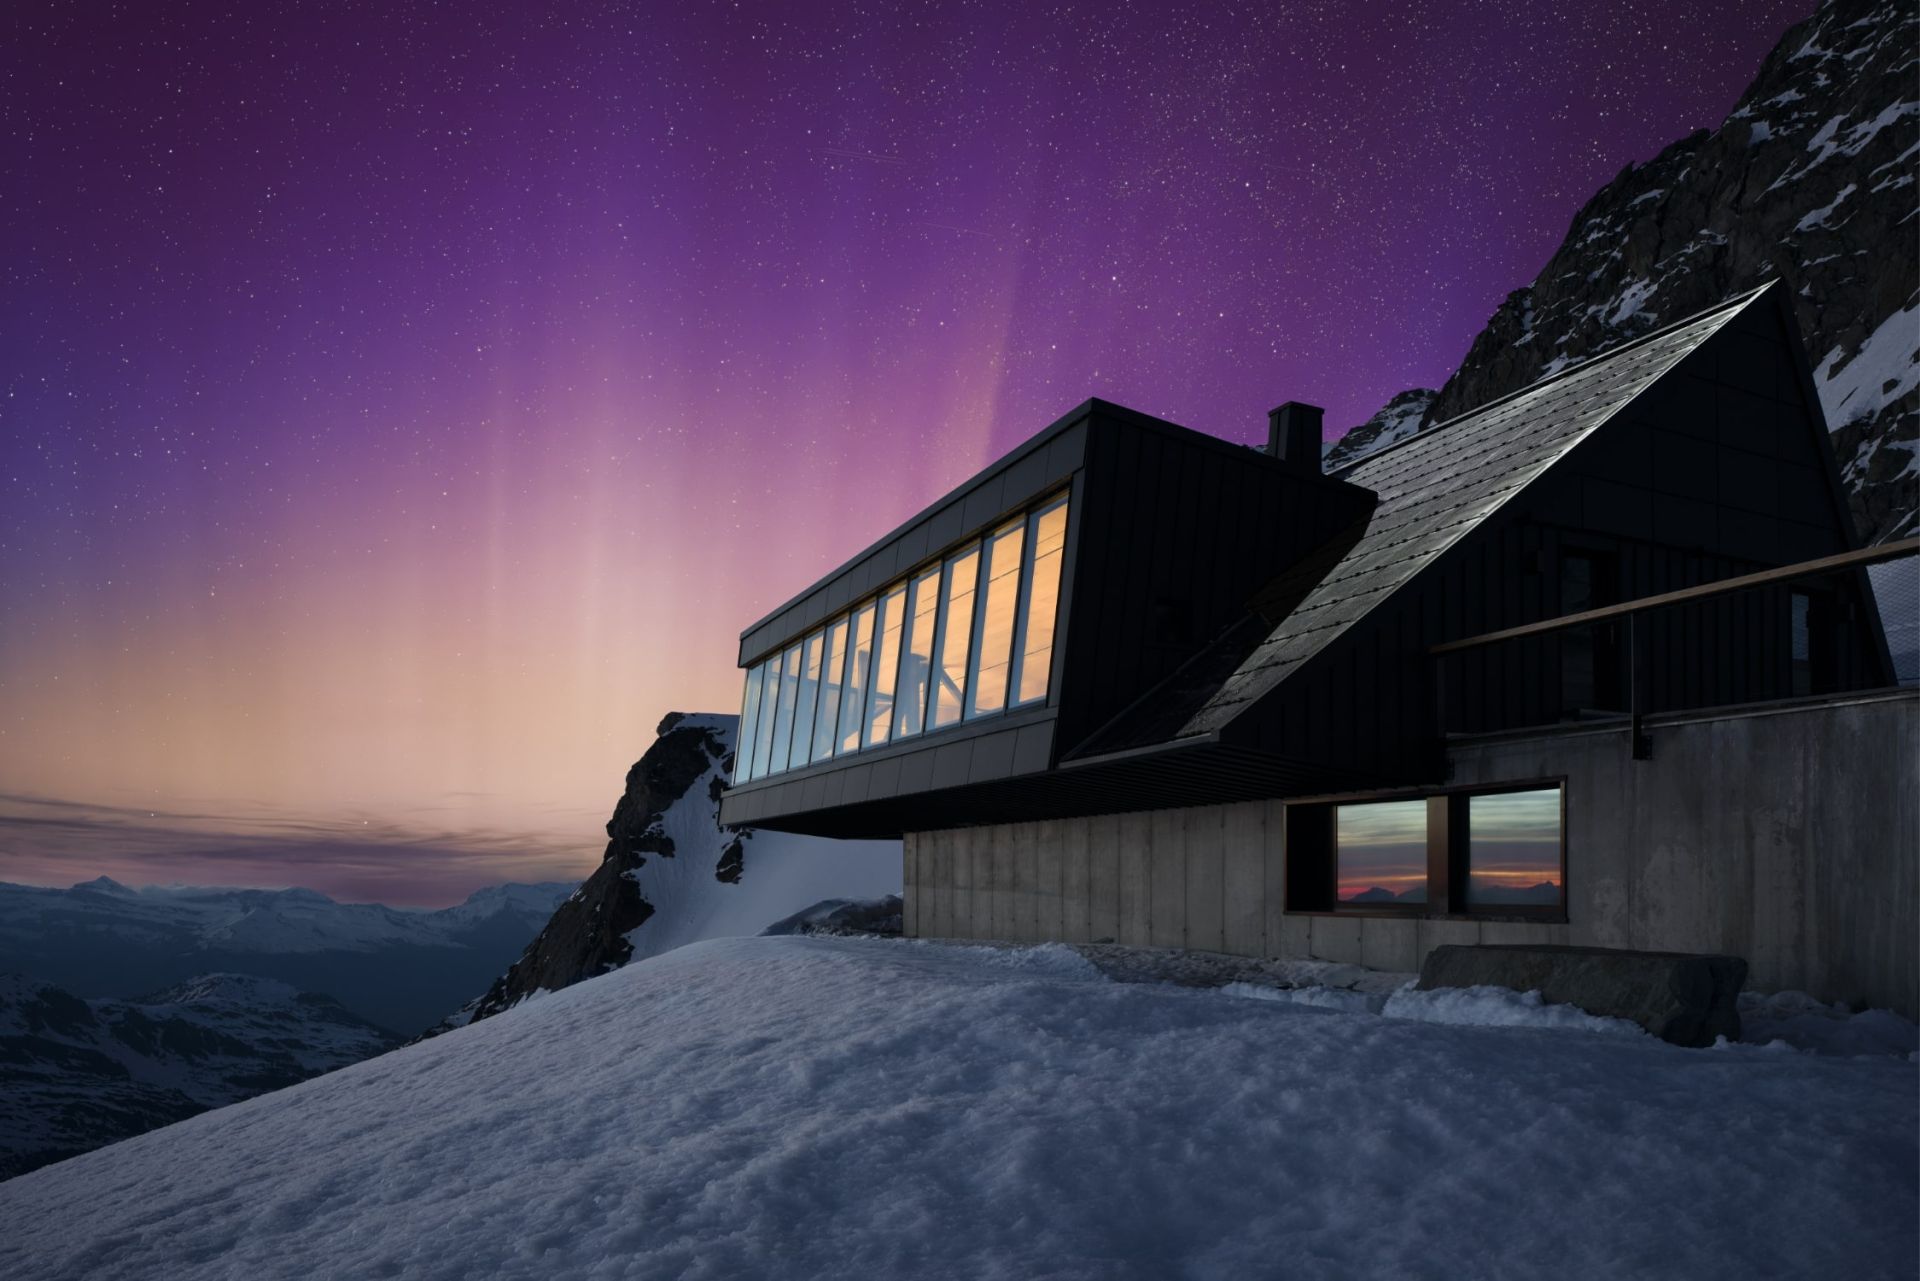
1293	435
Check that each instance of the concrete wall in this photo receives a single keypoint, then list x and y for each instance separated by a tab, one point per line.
1788	835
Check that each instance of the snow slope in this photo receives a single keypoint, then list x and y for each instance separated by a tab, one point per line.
808	1107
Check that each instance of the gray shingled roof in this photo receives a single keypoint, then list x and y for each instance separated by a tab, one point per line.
1435	487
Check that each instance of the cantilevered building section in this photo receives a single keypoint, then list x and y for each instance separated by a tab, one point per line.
1133	682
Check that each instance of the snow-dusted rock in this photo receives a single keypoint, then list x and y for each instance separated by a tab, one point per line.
1810	179
1398	419
672	875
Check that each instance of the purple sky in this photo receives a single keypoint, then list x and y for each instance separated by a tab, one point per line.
404	406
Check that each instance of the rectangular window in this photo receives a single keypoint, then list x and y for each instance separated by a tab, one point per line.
1589	658
1380	853
916	658
1514	850
993	644
859	669
1802	643
956	636
763	730
744	735
809	698
783	709
886	667
969	637
828	719
1039	602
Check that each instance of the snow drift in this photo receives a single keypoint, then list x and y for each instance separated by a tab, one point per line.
808	1106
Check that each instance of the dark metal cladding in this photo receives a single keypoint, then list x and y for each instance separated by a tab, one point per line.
1233	624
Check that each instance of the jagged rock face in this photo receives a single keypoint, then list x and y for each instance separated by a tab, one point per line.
672	875
1810	180
1398	419
588	932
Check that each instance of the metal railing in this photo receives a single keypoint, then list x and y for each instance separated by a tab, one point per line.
1631	611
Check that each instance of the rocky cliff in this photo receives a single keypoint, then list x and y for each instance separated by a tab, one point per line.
672	875
1810	179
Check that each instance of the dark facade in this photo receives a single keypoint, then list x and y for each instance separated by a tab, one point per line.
1256	709
1168	534
1235	626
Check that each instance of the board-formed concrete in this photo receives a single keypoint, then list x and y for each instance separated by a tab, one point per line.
1787	834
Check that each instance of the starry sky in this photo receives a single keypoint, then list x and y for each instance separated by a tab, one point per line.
403	406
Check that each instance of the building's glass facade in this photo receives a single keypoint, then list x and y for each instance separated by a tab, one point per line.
966	637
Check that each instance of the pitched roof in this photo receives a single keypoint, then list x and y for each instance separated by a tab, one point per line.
1434	488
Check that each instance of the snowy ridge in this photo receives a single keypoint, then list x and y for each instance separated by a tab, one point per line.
782	874
396	967
672	875
1398	419
829	1107
292	920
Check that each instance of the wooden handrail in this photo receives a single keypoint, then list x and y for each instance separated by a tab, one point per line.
1804	569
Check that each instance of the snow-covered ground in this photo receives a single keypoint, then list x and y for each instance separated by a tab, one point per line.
807	1107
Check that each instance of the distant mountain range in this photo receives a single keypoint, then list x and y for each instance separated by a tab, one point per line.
1485	895
1811	180
77	1074
398	968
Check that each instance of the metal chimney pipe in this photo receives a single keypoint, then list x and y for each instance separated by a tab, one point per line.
1293	434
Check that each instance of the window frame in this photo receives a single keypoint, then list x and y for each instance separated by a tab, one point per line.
984	579
1396	908
1023	617
831	692
883	623
1311	885
813	647
1460	870
975	551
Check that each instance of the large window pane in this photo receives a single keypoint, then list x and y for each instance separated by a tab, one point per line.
769	698
1040	602
886	664
1513	849
1381	852
916	659
828	720
956	635
744	736
808	699
859	668
993	647
783	709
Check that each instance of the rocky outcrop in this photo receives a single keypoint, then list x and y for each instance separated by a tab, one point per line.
588	933
1398	419
1811	180
844	916
672	875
